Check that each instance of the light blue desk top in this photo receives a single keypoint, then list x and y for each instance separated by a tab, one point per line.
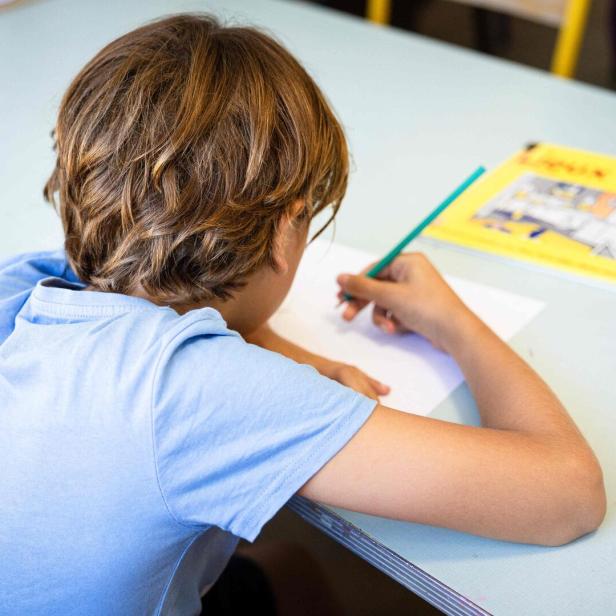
419	116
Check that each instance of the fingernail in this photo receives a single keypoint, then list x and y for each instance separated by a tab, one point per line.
384	327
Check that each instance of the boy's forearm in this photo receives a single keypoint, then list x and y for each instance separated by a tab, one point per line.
509	394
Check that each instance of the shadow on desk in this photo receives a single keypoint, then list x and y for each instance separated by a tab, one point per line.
361	589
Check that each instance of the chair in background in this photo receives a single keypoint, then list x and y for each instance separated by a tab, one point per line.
569	16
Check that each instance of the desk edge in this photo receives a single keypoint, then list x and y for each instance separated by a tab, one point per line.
384	559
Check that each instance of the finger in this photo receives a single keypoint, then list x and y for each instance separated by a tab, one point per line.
341	295
380	388
386	273
367	289
382	319
353	307
364	381
370	393
363	386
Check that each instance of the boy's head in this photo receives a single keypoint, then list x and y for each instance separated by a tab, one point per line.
187	152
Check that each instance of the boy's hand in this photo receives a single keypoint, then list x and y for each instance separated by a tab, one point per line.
343	373
352	377
409	295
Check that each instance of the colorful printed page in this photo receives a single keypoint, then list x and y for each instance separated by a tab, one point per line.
419	375
548	205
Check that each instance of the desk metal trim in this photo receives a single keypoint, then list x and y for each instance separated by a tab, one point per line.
401	570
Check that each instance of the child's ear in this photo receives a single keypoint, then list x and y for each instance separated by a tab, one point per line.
281	245
286	237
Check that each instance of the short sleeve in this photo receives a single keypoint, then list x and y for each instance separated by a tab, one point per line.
238	430
20	274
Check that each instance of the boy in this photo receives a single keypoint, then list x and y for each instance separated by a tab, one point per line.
141	433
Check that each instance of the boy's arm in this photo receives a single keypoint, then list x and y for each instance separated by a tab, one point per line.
343	373
527	476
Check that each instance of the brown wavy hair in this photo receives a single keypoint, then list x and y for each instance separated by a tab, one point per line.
181	146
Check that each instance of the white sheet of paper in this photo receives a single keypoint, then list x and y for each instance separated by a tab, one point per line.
420	376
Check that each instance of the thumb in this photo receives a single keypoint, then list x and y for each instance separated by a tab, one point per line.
369	289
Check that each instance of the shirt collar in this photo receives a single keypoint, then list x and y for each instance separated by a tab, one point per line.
59	296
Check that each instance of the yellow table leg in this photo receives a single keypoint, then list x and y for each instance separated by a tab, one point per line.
570	38
378	11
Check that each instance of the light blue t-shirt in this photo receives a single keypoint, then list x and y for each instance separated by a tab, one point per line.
137	445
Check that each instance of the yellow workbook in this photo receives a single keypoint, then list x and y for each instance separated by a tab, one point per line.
548	204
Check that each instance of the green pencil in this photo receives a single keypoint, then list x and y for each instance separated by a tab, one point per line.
398	248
